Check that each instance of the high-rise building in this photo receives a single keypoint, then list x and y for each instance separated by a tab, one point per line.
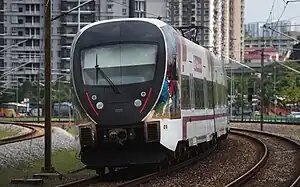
255	29
21	20
211	14
236	36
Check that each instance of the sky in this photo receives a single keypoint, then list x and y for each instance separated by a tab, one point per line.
259	10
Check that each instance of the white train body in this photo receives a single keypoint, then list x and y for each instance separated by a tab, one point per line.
158	92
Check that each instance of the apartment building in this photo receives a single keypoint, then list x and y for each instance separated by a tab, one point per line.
21	20
236	25
212	15
282	44
255	29
24	20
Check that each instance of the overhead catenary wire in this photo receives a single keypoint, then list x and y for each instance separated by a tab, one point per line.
271	12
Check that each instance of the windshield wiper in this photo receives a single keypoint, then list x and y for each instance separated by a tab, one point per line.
98	69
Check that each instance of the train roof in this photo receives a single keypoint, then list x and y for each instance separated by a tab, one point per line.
154	21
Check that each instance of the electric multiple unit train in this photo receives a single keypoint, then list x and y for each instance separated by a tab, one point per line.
144	93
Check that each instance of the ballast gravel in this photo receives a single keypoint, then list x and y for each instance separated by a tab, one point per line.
235	156
291	131
25	152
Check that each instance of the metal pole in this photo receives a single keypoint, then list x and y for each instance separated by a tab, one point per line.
79	15
242	93
275	88
131	8
59	101
38	98
231	92
262	83
48	167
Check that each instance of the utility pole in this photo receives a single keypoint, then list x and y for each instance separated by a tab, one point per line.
131	9
242	93
48	166
262	82
38	94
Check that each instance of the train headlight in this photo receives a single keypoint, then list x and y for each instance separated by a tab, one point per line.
99	105
143	94
137	103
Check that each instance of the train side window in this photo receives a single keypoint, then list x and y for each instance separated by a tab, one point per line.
210	95
216	90
205	98
192	91
185	92
226	95
220	94
199	94
174	69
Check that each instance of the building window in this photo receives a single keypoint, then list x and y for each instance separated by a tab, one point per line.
20	33
124	11
109	8
36	19
28	19
20	21
124	2
20	9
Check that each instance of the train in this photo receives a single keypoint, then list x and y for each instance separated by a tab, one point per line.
144	94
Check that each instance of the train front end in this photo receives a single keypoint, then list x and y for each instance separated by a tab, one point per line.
118	69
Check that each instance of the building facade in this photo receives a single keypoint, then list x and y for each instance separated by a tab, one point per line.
24	20
282	44
255	29
236	36
211	14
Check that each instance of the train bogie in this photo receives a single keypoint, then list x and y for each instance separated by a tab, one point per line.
145	93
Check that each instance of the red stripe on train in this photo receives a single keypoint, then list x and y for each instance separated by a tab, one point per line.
198	118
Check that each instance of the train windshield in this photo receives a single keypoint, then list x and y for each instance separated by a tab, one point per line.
119	64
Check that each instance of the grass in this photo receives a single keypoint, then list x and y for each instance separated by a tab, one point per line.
72	130
62	161
5	134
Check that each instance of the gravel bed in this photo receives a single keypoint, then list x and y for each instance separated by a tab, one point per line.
282	166
28	151
291	131
232	159
18	130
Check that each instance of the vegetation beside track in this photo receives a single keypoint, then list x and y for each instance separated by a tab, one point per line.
63	161
6	134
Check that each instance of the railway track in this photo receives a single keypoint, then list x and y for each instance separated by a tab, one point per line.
36	131
253	177
279	166
138	176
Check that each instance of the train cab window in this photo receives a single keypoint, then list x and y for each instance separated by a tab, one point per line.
185	92
121	64
199	93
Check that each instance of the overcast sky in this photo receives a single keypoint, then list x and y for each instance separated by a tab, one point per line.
259	10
